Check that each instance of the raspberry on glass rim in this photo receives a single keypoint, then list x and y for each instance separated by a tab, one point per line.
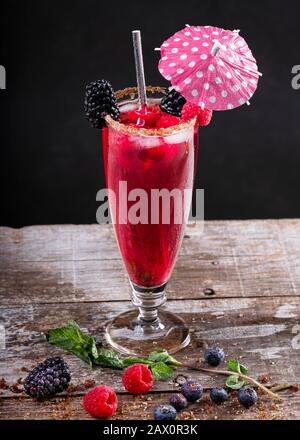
190	110
166	121
145	117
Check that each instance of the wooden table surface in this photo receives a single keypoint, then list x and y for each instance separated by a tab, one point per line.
237	285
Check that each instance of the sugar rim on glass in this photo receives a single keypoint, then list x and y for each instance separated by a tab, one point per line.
140	131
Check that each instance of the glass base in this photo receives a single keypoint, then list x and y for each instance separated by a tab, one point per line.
131	335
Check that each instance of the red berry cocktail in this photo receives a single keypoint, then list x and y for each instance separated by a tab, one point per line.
149	169
150	152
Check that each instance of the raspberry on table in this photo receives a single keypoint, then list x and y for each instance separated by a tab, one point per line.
101	402
192	390
218	395
247	396
165	412
50	377
137	379
214	356
178	401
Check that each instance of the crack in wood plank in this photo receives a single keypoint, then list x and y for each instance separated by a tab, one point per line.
238	332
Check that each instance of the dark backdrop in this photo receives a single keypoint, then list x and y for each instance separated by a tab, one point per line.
51	164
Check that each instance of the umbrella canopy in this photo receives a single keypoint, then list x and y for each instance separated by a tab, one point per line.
210	66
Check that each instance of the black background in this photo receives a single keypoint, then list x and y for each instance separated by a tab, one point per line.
51	165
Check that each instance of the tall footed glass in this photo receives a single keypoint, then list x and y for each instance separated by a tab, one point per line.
149	178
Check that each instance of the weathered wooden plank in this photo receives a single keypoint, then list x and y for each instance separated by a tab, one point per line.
81	263
141	408
263	333
87	242
49	274
69	281
58	243
290	244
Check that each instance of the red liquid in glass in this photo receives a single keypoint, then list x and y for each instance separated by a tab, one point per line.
148	162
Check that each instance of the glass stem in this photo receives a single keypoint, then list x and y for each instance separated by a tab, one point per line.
148	301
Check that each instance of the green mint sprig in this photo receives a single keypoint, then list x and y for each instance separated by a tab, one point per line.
82	345
71	338
233	382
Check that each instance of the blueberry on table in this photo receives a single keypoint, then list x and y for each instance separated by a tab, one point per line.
247	396
218	395
214	356
165	412
178	401
192	390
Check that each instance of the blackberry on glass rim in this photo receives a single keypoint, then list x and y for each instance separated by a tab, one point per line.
99	102
172	103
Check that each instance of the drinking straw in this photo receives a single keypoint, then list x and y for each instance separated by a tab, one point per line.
139	67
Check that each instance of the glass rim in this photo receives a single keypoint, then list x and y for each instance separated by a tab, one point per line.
158	132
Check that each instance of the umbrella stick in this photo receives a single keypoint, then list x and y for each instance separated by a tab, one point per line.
216	47
139	67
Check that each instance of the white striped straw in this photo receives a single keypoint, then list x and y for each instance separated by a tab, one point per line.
139	67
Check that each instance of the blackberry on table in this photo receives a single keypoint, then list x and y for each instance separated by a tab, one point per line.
100	101
172	103
50	377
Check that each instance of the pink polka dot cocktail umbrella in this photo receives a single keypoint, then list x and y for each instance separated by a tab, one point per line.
211	67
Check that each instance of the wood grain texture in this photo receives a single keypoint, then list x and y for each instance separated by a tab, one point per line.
141	408
249	329
49	264
50	274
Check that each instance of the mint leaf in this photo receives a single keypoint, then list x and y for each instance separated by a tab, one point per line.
161	371
131	361
158	356
244	370
71	338
108	358
163	356
237	367
233	365
234	383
